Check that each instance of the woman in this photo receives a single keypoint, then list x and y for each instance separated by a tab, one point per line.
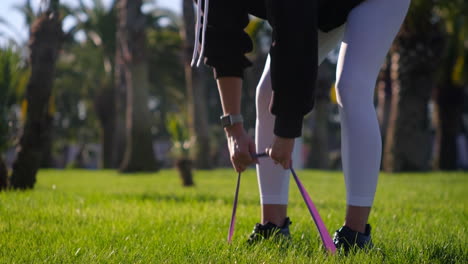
287	85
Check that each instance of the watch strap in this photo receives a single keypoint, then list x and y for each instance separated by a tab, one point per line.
229	120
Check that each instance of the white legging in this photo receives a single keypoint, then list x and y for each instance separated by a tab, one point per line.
367	36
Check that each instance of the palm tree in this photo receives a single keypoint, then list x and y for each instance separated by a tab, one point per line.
132	80
29	15
196	94
46	38
13	78
449	93
100	26
414	61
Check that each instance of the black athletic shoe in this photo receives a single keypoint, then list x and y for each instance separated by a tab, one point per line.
345	238
270	230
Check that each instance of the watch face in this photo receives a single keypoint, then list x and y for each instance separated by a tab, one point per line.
225	121
229	120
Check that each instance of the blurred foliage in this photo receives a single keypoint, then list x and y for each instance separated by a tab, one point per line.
27	11
14	76
99	24
78	75
87	65
454	17
259	31
166	76
177	127
451	16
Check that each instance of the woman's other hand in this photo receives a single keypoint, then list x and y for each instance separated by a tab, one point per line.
281	151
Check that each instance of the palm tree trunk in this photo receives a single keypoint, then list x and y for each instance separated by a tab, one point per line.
3	174
196	95
384	97
449	97
45	42
47	155
120	96
414	61
408	141
131	38
448	113
319	157
105	110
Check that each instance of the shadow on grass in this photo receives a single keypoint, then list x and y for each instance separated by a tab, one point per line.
450	252
177	198
446	253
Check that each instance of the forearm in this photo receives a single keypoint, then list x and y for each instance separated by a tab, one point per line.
230	93
241	146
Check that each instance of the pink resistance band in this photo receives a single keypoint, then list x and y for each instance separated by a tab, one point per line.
324	235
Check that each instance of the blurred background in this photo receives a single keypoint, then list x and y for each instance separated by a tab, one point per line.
106	84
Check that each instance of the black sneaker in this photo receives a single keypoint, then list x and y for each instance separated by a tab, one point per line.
345	238
270	230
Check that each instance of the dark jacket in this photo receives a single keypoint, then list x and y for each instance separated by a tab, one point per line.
293	51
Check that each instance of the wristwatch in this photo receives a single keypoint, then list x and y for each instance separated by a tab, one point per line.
229	120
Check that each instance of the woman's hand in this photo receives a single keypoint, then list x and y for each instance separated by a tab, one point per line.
241	147
281	151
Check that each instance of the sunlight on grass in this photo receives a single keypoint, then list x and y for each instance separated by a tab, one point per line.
79	216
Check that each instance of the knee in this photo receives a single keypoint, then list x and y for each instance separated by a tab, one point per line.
354	92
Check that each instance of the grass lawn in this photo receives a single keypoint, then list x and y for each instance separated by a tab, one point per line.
75	216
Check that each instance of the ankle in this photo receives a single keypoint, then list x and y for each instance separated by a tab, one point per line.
274	213
357	217
356	227
278	221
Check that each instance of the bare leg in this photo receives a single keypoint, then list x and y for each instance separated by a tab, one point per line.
356	217
274	213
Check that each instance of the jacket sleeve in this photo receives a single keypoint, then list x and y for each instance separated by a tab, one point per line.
333	13
226	41
293	62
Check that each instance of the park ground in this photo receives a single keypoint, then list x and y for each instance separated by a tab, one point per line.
77	216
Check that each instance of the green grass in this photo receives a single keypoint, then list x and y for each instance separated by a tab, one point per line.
103	217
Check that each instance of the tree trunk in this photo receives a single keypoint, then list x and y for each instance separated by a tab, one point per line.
139	154
3	174
119	117
79	162
319	157
184	167
384	97
44	44
105	110
47	154
408	142
414	61
196	95
449	99
448	113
